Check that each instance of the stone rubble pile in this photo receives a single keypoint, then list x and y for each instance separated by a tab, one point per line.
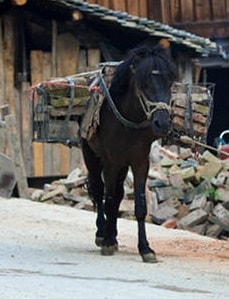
183	191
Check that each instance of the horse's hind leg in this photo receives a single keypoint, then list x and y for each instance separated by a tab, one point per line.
95	188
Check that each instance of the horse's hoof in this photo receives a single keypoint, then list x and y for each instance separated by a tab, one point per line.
109	250
99	241
149	258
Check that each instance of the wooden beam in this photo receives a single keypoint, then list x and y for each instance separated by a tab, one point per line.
118	5
143	8
16	155
175	12
26	126
49	158
67	56
67	65
217	29
105	3
202	11
2	75
54	48
219	10
93	56
19	2
187	11
8	60
77	15
132	7
82	65
7	176
155	10
36	60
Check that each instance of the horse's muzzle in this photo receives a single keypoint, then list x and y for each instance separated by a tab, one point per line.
161	123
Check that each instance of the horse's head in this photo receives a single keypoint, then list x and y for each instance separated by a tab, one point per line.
153	75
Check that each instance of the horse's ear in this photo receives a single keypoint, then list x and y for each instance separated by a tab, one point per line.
140	52
164	43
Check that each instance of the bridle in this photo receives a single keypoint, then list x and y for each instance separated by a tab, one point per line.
148	107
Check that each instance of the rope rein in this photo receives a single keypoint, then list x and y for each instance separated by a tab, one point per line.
150	107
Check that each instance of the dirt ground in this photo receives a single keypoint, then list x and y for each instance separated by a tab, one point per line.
48	251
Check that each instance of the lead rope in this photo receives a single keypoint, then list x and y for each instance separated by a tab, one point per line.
146	104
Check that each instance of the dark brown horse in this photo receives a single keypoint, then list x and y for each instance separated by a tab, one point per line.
135	113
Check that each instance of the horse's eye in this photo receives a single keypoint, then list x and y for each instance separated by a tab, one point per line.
156	72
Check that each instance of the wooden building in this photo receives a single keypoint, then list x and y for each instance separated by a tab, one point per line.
207	18
43	39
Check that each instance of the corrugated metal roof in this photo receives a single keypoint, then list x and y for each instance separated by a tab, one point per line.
202	46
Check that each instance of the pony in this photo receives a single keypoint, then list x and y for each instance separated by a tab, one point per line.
135	112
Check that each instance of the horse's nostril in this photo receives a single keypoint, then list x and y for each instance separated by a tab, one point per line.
157	124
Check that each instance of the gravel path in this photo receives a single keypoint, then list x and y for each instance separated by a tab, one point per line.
48	251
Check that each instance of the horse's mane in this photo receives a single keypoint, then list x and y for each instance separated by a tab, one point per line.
143	60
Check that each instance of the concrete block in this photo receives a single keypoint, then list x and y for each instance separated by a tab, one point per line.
194	218
210	170
213	230
198	202
165	193
209	157
163	213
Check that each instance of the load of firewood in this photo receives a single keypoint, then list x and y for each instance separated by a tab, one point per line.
58	102
192	108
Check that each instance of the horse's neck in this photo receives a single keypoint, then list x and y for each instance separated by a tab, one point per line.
130	106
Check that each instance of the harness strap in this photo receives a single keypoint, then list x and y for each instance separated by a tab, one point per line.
118	115
145	103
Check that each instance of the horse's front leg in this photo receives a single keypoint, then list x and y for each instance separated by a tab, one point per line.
114	180
140	172
95	188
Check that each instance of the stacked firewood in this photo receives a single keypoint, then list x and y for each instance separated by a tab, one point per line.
191	108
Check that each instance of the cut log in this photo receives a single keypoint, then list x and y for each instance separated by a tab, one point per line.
196	117
179	124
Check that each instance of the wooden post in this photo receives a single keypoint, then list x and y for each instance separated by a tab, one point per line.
93	56
26	128
4	110
67	64
16	156
19	2
54	42
8	60
49	158
67	57
37	77
2	75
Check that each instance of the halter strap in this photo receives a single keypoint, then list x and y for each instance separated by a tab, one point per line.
150	107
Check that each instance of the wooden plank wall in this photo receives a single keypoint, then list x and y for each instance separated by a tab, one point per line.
171	11
134	7
41	159
55	159
7	56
